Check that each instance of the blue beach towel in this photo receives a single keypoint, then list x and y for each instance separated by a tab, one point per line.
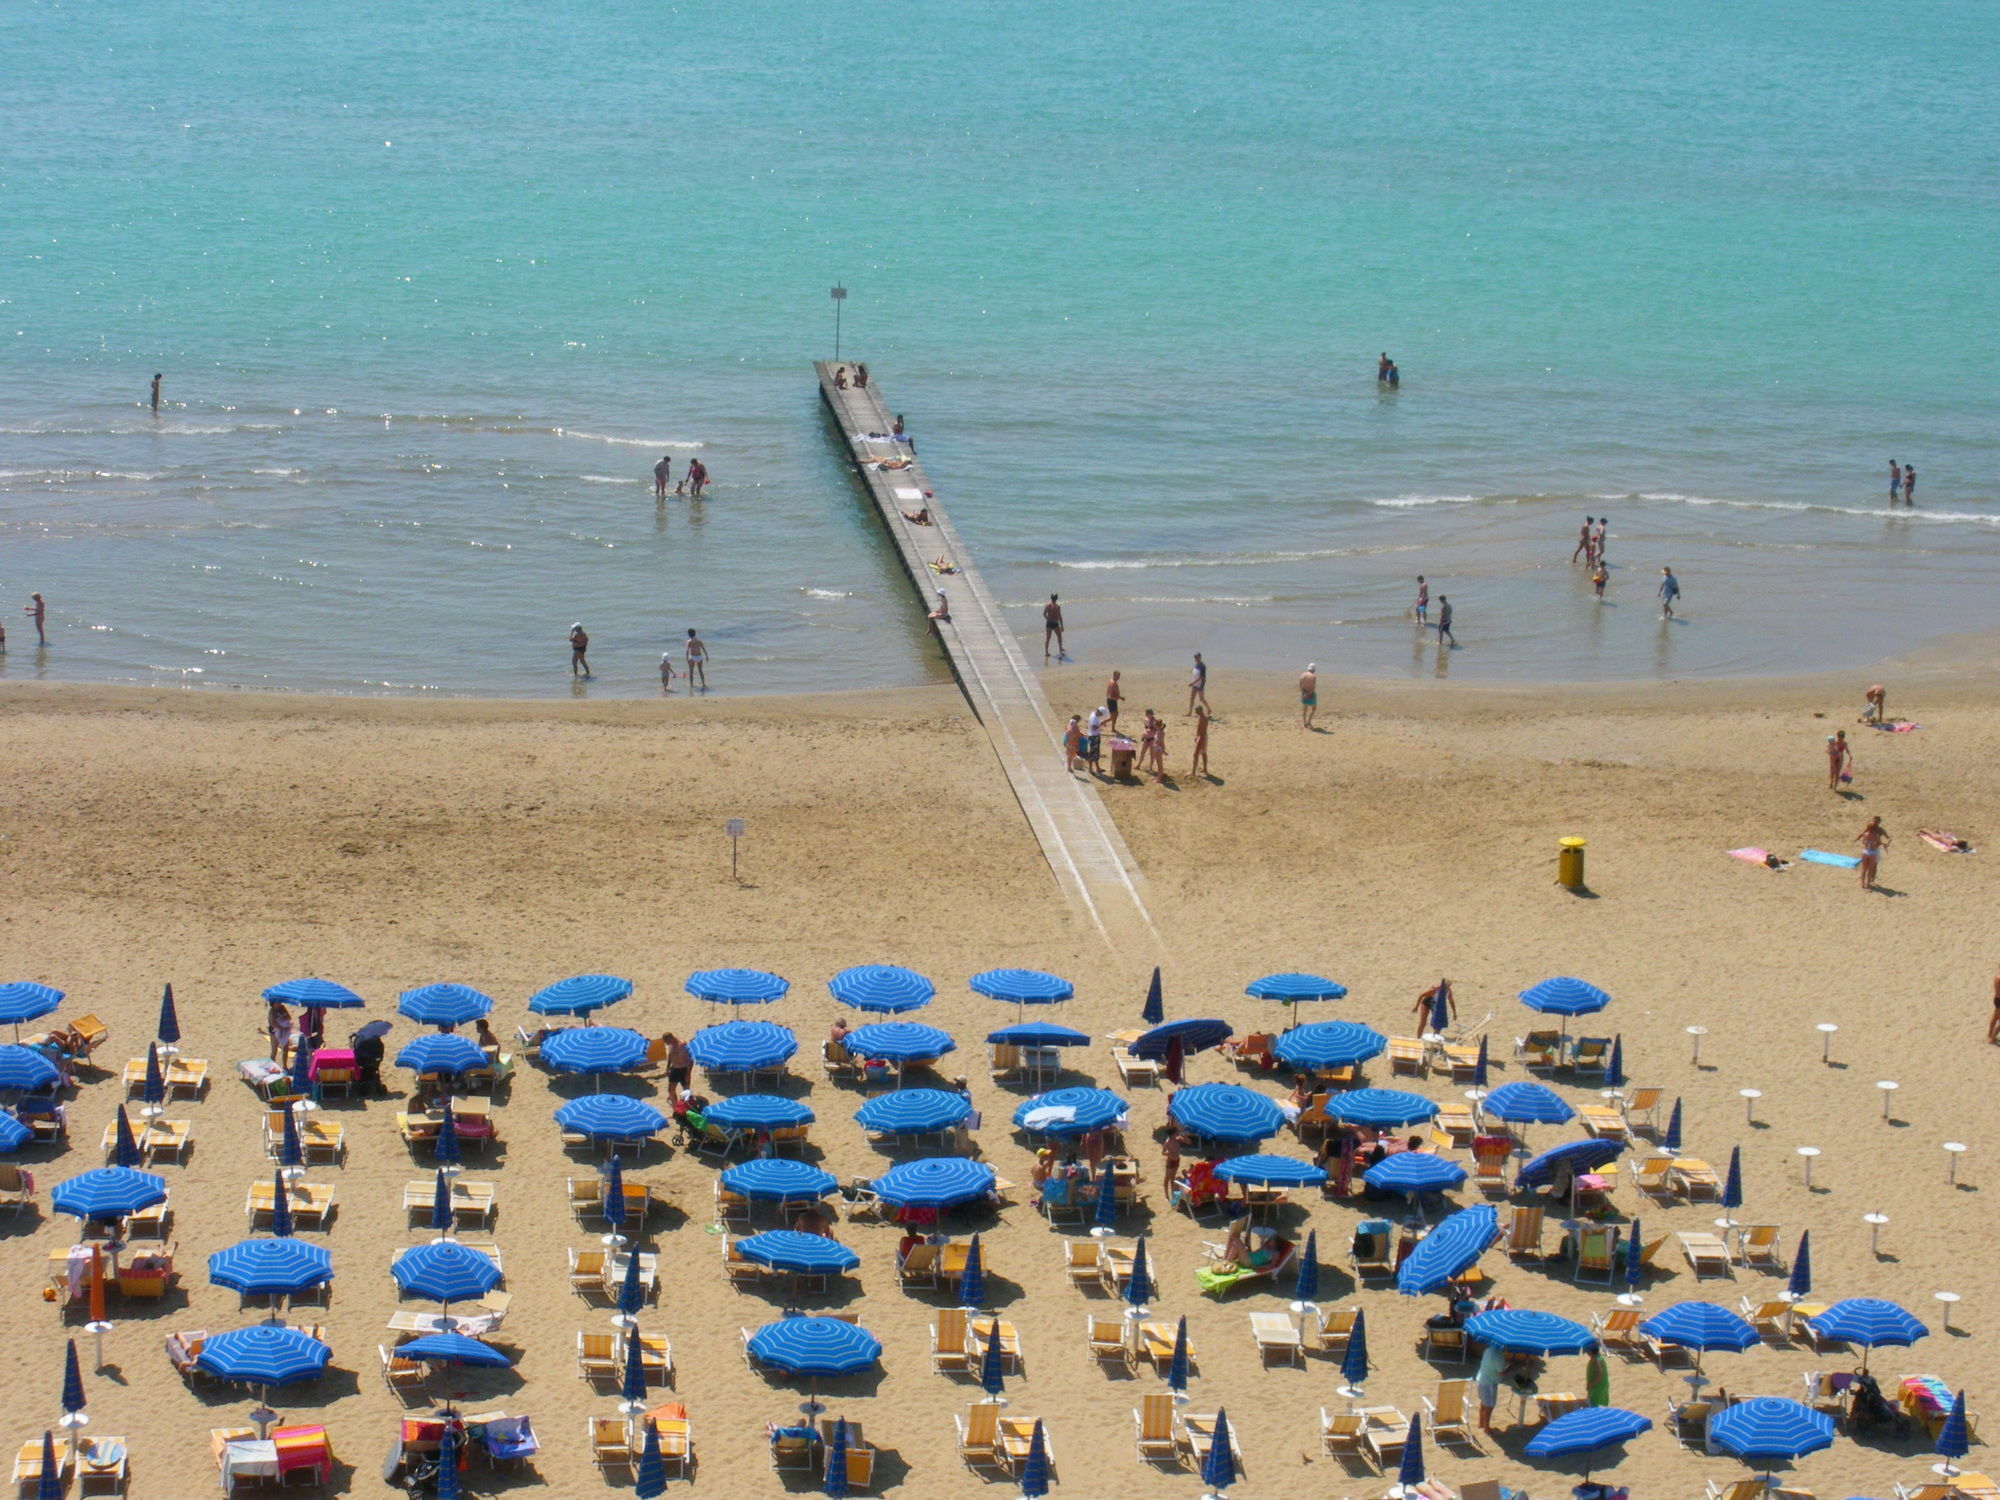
1821	857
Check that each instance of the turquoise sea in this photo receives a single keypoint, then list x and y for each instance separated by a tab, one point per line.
433	287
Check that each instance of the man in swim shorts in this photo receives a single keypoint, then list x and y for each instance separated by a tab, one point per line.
1052	628
579	643
1895	483
662	472
1670	590
1308	695
1423	603
1583	541
1444	620
1197	685
1114	694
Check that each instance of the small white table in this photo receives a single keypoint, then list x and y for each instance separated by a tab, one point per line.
1697	1032
1874	1223
1808	1153
1953	1150
1947	1301
1750	1098
1826	1029
1888	1092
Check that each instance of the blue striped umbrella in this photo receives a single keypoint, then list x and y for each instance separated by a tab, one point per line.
1954	1439
818	1347
1272	1171
13	1134
290	1152
834	1482
1293	989
972	1280
633	1384
25	1000
1218	1469
887	989
649	1480
444	1004
899	1041
273	1267
281	1207
1564	997
1732	1182
1154	1011
446	1486
1799	1283
315	994
1193	1036
1072	1111
1307	1286
445	1148
1035	1467
595	1049
759	1112
1022	986
611	1117
1615	1075
108	1193
1671	1141
1479	1066
1586	1431
616	1209
1440	1008
778	1179
1414	1172
1038	1034
1105	1211
26	1069
1523	1331
1139	1288
1575	1156
935	1182
153	1089
1449	1250
990	1372
1384	1109
1765	1428
1635	1253
1354	1362
742	1046
441	1210
302	1063
631	1290
444	1272
1870	1322
441	1052
72	1389
1177	1366
124	1148
1411	1471
264	1354
1329	1044
1526	1103
1226	1112
914	1111
1700	1326
737	986
50	1485
802	1254
455	1349
579	995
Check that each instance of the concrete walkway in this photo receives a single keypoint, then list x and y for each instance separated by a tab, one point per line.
1082	845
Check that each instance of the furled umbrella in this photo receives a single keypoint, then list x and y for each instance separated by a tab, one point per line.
990	1371
442	1217
168	1031
1035	1467
1732	1182
153	1090
302	1063
446	1486
631	1292
1154	1011
1798	1285
49	1486
835	1481
124	1148
445	1150
614	1200
649	1480
1479	1066
972	1280
1139	1287
1954	1439
1410	1472
886	989
632	1386
1670	1142
1177	1365
1635	1265
1307	1287
1615	1074
73	1416
281	1208
1354	1361
1440	1008
1106	1214
291	1155
1218	1469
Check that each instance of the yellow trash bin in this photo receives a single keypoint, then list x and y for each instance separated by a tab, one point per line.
1569	864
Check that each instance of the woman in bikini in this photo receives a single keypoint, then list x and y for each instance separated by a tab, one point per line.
1871	839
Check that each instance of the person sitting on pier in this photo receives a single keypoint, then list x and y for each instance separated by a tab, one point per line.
901	436
840	377
861	377
918	517
943	610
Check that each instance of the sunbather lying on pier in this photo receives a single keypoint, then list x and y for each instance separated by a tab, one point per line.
918	517
939	565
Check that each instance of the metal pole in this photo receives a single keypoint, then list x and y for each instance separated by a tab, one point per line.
839	295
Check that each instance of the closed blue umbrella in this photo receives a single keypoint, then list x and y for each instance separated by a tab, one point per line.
1635	1253
742	1046
1106	1212
1571	1156
595	1049
1154	1011
1700	1326
914	1111
1586	1431
1022	986
778	1179
1274	1171
1449	1250
281	1208
72	1390
444	1004
1035	1467
632	1385
445	1272
579	995
1565	997
1616	1073
1671	1141
271	1268
631	1291
264	1354
1410	1472
153	1090
455	1349
990	1373
1354	1362
1524	1331
25	1000
1192	1036
108	1193
1440	1008
446	1148
1766	1428
616	1210
315	994
1954	1439
1307	1287
759	1112
13	1134
611	1117
1870	1322
1414	1172
1732	1182
441	1210
1073	1111
446	1486
1384	1109
1329	1044
886	989
649	1480
26	1069
302	1063
1799	1283
124	1147
935	1182
1218	1469
1526	1103
1226	1112
50	1485
1038	1034
1139	1287
1479	1066
817	1347
441	1052
802	1254
737	986
1177	1366
899	1041
834	1482
972	1280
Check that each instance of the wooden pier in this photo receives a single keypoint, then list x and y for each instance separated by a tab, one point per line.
1084	849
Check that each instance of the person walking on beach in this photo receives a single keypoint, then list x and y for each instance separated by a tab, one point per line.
1670	590
1444	621
1598	579
579	643
1052	628
1114	693
1197	685
697	661
1423	607
1871	839
1199	765
38	611
1598	538
1072	743
1583	547
1839	760
1309	695
1895	483
156	394
1427	1003
667	672
1909	486
662	472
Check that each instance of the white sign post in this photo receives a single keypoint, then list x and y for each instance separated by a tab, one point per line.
734	828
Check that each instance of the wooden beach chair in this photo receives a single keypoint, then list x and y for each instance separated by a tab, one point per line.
1591	1055
1445	1343
1197	1436
948	1340
1771	1319
403	1376
1372	1252
1156	1344
1153	1425
736	1270
1080	1262
597	1358
1490	1154
1330	1332
1641	1109
1618	1329
1461	1060
1313	1120
1384	1433
16	1187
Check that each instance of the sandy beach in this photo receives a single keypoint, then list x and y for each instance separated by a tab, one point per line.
225	842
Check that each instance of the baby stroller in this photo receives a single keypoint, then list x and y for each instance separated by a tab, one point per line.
1868	1410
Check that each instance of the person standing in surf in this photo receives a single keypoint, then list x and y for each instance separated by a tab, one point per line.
1895	483
1583	548
662	472
1423	605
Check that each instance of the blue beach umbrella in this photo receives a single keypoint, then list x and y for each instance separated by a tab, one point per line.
1732	1183
816	1347
1574	1156
1526	1103
444	1004
759	1112
1799	1283
124	1148
579	995
616	1210
1106	1211
1022	986
1615	1075
631	1290
1354	1362
649	1480
281	1207
291	1154
25	1000
1449	1250
1177	1366
1766	1428
1139	1287
899	1041
441	1211
1307	1286
50	1485
26	1069
742	1046
1276	1171
446	1148
1218	1469
1954	1439
455	1349
887	989
1383	1109
914	1111
108	1193
271	1268
1292	989
835	1481
990	1372
1035	1467
1154	1011
446	1485
1870	1322
801	1254
1586	1431
1564	997
934	1182
595	1049
1038	1034
737	986
778	1179
315	994
972	1280
1414	1172
1073	1111
444	1272
1479	1066
611	1117
1226	1112
153	1089
1635	1251
632	1385
441	1052
1411	1471
1523	1331
1700	1326
1329	1044
302	1063
1194	1036
72	1389
1440	1009
13	1134
264	1354
1671	1141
